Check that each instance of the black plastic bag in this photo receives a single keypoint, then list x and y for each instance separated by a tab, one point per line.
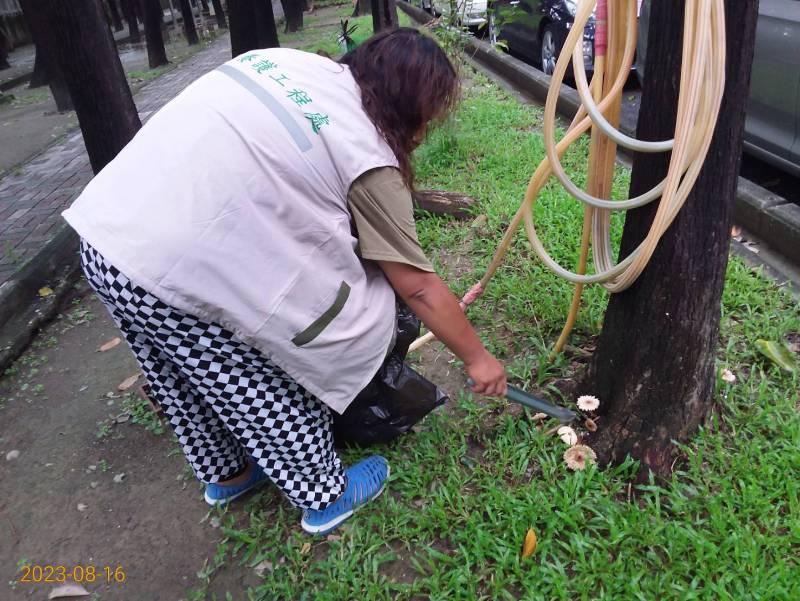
395	399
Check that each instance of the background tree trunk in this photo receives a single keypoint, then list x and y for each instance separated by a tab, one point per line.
49	71
129	10
243	26
265	19
204	7
153	23
363	7
85	52
4	50
219	14
188	23
384	15
293	13
654	367
115	18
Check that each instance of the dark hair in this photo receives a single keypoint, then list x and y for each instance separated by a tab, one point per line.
406	82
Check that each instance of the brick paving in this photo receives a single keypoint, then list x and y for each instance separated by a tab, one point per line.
33	195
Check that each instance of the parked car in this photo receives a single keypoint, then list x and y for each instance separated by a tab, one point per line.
468	13
535	30
772	127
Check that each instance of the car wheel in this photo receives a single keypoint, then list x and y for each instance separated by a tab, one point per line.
549	53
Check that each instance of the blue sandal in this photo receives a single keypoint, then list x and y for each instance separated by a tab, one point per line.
221	494
365	481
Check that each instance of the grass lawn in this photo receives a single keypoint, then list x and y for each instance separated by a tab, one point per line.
466	486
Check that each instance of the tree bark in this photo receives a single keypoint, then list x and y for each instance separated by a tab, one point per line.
188	23
115	18
441	202
362	7
153	33
85	52
654	367
243	26
222	23
265	20
129	9
48	71
384	15
293	13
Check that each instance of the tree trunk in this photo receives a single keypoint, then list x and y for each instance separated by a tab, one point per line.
293	13
85	52
384	15
265	19
39	76
219	14
654	368
115	18
204	7
49	71
129	9
153	22
4	49
188	23
243	26
362	7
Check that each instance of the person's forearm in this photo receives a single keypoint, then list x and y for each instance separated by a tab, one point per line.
439	310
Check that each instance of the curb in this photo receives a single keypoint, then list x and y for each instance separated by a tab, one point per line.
762	213
22	311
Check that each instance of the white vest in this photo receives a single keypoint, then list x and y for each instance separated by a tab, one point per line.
231	204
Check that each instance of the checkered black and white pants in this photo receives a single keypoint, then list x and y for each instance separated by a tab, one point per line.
224	399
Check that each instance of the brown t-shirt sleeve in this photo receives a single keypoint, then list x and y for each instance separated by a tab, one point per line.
383	214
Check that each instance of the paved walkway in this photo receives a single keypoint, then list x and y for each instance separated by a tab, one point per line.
33	195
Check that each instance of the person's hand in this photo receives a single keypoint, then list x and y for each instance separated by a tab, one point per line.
488	376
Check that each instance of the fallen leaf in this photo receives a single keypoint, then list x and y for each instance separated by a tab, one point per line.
94	484
590	425
11	455
119	478
306	549
128	382
778	353
529	544
68	590
333	537
107	346
45	291
263	566
82	507
215	522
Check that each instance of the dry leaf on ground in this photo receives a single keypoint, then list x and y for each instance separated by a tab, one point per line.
529	544
306	549
128	382
68	590
107	346
45	291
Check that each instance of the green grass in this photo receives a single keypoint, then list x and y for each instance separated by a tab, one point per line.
319	35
